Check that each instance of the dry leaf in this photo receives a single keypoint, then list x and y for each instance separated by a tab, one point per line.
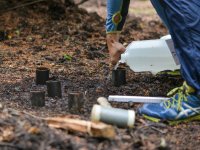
34	130
7	135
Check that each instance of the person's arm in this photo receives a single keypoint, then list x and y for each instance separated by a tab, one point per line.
117	11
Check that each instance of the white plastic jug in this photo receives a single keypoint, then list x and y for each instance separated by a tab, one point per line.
151	55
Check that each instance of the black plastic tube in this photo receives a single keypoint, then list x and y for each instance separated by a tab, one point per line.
42	75
75	102
37	98
119	77
54	88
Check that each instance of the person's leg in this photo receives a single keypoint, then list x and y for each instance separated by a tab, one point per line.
183	21
184	25
160	11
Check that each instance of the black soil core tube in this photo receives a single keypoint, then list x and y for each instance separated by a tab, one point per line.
75	102
37	98
42	75
119	77
54	88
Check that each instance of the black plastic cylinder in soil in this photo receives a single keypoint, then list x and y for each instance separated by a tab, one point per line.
75	102
54	88
37	98
42	75
119	77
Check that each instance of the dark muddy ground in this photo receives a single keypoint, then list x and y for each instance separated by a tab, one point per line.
40	35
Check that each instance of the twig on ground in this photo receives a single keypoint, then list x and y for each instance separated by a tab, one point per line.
22	5
2	144
161	131
81	2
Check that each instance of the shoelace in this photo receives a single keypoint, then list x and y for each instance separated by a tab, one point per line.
181	93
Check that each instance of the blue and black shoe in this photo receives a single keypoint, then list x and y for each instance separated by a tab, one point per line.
184	106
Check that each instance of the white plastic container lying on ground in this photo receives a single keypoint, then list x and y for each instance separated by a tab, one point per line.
151	55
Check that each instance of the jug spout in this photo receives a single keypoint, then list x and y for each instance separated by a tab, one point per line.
123	58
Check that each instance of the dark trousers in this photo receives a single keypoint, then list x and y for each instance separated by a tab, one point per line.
182	18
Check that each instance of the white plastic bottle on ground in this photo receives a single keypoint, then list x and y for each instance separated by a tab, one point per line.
151	55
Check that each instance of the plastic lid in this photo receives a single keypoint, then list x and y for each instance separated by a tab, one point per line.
123	58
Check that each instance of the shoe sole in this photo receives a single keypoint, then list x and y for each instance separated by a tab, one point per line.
190	119
170	73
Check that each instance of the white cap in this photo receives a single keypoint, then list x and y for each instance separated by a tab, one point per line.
95	114
123	58
131	118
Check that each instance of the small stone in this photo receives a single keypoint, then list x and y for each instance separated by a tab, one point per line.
61	70
99	89
126	137
1	106
50	58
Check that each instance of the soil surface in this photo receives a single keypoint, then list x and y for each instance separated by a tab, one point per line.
71	42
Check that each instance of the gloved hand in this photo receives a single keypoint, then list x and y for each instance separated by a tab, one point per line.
115	47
